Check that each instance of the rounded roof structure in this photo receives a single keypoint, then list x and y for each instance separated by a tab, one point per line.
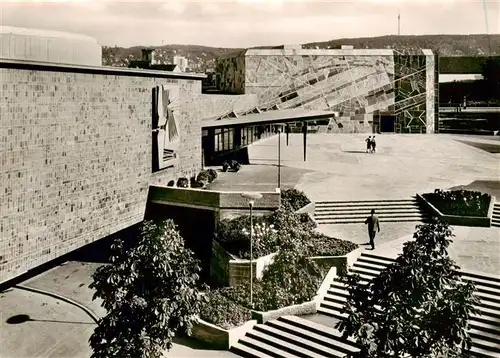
11	30
22	44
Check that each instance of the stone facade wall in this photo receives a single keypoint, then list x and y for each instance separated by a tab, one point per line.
231	74
76	158
354	83
217	105
349	84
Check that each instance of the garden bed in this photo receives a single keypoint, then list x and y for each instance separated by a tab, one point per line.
460	202
460	207
226	316
230	264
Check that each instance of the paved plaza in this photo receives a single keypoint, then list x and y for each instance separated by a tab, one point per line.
337	168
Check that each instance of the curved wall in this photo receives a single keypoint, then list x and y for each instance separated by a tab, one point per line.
49	46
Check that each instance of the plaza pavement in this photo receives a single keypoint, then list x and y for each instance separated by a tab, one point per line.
337	169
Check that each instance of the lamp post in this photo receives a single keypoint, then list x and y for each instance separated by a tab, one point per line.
279	129
251	196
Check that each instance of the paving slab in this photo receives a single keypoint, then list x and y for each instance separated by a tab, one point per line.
474	249
403	165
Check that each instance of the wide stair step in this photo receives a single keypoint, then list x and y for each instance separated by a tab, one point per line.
495	219
484	326
291	336
354	212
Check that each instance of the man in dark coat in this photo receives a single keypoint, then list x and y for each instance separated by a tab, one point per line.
373	227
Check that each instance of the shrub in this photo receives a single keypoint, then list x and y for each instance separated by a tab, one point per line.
322	245
292	278
235	166
196	183
146	301
233	236
224	312
294	199
183	183
225	166
460	202
307	221
212	175
171	183
203	177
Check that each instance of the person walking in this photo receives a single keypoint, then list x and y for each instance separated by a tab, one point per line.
373	227
368	144
373	144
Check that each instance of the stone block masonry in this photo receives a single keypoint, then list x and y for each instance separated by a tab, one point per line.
76	157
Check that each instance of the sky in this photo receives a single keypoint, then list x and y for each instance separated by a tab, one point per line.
247	23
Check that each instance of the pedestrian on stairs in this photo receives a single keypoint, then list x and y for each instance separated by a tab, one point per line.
373	227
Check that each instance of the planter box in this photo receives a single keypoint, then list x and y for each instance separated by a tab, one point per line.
305	308
230	270
460	220
219	337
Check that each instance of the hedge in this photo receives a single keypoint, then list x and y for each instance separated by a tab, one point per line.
460	202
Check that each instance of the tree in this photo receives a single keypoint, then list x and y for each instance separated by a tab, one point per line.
150	293
419	306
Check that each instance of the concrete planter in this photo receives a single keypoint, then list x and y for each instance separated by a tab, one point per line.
231	271
460	220
219	337
305	308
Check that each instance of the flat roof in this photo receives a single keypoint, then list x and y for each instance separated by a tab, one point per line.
270	117
104	70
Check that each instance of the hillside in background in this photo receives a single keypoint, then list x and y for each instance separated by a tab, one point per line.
202	58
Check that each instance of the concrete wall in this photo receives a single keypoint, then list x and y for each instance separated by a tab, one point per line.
355	83
49	46
76	156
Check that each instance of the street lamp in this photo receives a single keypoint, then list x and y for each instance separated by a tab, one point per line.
251	196
279	129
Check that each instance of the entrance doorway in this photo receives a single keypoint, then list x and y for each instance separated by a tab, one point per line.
387	124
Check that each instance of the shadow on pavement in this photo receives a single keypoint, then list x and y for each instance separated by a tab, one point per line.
23	318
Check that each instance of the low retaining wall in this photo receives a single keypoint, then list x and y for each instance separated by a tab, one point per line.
212	199
294	310
460	220
338	262
219	337
231	271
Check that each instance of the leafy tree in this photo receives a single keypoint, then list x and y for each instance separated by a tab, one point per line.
150	293
419	306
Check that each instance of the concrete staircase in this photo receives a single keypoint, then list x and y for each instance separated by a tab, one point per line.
495	219
292	336
354	212
484	328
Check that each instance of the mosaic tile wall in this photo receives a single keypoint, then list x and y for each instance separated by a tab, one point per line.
76	159
355	83
230	73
